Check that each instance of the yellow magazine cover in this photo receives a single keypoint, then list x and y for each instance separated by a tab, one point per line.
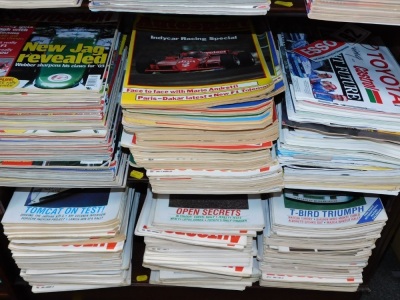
181	60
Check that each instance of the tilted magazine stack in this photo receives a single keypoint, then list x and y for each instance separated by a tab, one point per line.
340	121
72	239
60	107
338	146
319	241
198	111
203	241
219	8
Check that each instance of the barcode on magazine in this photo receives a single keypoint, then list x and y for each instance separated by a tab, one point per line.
92	82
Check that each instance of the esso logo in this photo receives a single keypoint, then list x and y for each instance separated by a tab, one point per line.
317	48
62	77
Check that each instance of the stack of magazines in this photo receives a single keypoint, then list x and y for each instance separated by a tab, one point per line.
72	239
198	104
361	11
59	101
319	241
201	240
340	121
232	7
12	4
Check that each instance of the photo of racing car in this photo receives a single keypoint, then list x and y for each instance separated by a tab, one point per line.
192	61
299	65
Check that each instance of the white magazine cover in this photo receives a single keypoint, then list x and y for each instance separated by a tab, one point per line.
326	69
212	238
209	211
360	211
93	244
58	206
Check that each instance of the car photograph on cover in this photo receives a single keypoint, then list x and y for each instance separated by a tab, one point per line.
299	65
59	41
191	61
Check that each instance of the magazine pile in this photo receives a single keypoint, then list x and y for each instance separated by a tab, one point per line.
72	239
25	4
198	107
60	84
219	8
319	241
340	124
360	11
205	241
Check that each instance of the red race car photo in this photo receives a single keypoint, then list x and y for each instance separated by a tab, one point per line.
195	61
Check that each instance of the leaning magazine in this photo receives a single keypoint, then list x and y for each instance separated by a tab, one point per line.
323	67
181	60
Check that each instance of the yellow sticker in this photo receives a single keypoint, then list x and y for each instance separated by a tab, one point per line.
14	131
141	278
284	3
8	82
136	174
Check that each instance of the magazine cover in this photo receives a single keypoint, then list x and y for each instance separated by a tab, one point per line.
326	68
214	238
358	211
173	56
64	206
209	211
46	58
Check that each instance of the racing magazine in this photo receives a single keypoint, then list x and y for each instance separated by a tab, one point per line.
175	60
337	68
46	57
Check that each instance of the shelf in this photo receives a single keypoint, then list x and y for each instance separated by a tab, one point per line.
143	290
148	291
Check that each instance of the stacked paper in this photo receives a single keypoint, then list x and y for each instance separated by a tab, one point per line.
201	240
198	105
59	102
320	81
319	241
361	11
232	7
40	4
208	61
72	239
340	121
